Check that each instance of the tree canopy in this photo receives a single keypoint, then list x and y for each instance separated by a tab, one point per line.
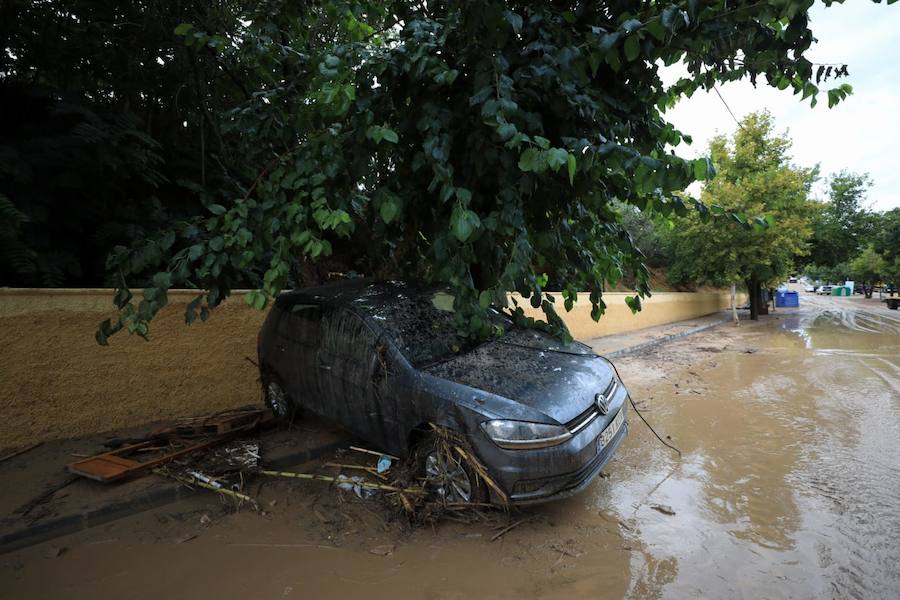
754	176
479	145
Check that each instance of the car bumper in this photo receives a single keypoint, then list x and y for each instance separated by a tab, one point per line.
542	475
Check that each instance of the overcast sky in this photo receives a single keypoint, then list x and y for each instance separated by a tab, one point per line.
861	134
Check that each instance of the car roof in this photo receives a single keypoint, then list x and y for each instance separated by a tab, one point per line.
346	292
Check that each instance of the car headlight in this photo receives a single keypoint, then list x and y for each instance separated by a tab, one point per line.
522	435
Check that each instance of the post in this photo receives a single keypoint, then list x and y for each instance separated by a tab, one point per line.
737	322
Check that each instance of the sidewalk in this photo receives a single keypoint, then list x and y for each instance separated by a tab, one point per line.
625	343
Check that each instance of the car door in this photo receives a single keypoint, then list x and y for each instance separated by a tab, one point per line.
300	334
351	369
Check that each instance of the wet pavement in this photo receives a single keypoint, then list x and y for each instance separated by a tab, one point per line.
788	487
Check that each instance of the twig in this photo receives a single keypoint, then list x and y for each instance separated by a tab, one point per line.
249	545
373	453
219	490
20	451
364	484
45	495
509	528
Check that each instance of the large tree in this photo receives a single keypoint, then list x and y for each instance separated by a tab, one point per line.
478	144
843	224
754	176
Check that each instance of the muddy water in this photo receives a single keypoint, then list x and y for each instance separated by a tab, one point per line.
790	481
788	487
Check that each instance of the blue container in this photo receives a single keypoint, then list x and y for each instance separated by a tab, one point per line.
787	299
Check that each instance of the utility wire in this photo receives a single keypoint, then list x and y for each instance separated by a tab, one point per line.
650	427
728	108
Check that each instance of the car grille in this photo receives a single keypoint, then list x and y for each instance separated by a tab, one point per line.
592	412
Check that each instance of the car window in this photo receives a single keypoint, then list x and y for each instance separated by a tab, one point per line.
301	323
346	335
421	325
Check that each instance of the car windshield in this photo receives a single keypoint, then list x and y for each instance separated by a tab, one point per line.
421	324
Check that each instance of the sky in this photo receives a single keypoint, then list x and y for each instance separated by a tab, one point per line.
861	134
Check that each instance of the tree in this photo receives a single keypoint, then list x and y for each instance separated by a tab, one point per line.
754	176
887	237
109	130
868	268
842	226
471	144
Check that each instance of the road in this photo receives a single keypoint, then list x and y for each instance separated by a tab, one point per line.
788	487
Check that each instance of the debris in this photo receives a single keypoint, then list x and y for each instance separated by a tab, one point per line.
205	479
384	463
220	490
186	538
204	519
54	551
187	437
385	550
366	484
663	508
20	451
509	528
353	484
565	551
379	454
44	496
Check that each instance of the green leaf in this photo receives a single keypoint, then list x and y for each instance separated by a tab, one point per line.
183	29
543	142
216	209
571	164
632	47
162	280
484	299
216	244
389	135
631	25
514	20
530	160
389	209
701	169
463	223
556	157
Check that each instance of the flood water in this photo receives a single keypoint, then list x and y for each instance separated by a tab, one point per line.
788	487
790	481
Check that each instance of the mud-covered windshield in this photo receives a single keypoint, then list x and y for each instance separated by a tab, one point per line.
421	324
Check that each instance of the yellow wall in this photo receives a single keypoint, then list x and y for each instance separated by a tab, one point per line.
57	382
659	309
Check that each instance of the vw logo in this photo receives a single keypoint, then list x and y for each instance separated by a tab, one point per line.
602	403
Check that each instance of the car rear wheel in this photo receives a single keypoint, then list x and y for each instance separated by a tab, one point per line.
447	476
278	401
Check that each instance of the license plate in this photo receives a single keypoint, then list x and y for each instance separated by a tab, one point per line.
611	430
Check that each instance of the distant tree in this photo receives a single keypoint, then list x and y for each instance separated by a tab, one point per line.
754	176
887	237
868	269
842	225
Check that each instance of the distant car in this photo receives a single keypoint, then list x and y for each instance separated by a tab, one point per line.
825	290
384	360
792	280
809	288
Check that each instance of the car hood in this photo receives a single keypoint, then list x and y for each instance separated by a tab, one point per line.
533	369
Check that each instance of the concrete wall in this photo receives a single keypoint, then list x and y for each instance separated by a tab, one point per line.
661	308
56	382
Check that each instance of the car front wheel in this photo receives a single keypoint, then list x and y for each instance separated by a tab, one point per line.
447	475
279	402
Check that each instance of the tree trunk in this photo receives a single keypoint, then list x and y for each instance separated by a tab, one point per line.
734	315
753	290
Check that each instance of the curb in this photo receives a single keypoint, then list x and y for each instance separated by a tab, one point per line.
662	340
138	503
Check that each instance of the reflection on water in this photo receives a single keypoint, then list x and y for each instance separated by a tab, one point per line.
790	482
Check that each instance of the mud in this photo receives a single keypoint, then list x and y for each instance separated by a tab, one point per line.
789	486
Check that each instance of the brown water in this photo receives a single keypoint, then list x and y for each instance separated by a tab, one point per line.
789	487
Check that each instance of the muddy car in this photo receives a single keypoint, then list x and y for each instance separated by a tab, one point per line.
384	361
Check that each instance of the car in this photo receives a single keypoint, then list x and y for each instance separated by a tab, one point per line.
809	288
384	360
792	280
824	290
